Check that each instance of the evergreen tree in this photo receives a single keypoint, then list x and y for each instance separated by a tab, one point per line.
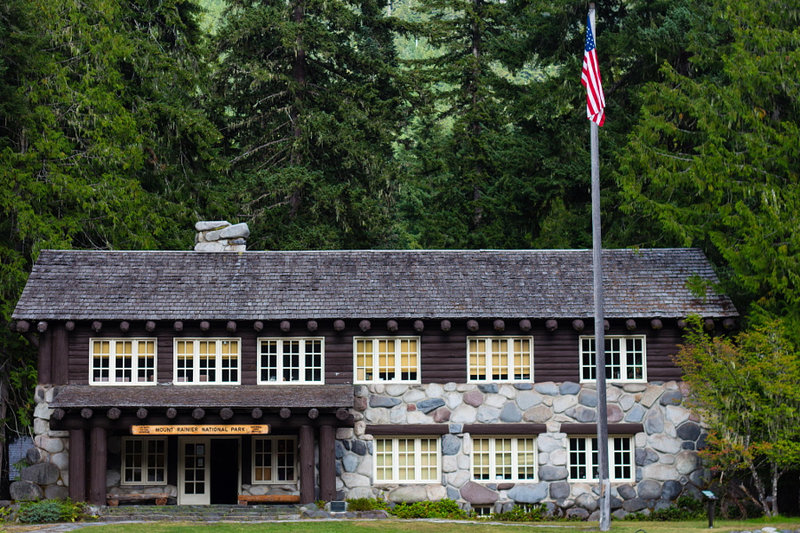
99	142
713	161
310	105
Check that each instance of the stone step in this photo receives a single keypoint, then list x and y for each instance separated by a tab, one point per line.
210	513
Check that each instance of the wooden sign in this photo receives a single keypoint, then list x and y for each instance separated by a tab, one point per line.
241	429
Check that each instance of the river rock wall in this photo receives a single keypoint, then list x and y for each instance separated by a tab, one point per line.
666	461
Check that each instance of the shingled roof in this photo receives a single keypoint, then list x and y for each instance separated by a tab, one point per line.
178	285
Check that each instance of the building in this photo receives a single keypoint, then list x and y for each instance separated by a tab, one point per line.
202	377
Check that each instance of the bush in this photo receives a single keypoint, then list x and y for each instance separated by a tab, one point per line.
441	509
366	504
685	508
45	511
522	513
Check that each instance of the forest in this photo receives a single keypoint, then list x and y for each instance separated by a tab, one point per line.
354	124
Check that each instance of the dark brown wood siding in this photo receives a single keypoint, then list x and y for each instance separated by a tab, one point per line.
444	354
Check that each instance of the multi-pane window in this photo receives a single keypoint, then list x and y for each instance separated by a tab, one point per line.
274	459
625	358
504	458
387	359
214	361
144	461
583	458
291	360
407	460
122	361
500	358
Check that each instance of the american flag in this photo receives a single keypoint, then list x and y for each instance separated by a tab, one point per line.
590	78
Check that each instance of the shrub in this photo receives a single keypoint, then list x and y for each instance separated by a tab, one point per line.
522	513
685	508
366	504
439	509
45	511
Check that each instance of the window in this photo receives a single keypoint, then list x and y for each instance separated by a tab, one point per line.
504	458
407	460
625	358
387	359
583	458
291	360
213	361
500	358
274	459
128	361
144	461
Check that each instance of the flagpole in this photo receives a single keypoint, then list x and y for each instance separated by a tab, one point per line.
599	324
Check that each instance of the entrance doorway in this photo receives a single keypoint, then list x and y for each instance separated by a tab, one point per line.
224	471
208	470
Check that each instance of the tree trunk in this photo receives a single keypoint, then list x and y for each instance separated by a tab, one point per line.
4	467
475	126
775	477
762	493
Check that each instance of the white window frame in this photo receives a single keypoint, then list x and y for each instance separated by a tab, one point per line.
491	367
218	368
112	361
279	367
374	370
396	463
145	457
274	454
515	453
616	445
587	361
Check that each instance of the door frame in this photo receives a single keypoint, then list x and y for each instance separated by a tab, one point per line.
205	498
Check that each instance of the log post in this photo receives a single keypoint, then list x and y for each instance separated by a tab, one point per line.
97	466
45	358
327	464
77	465
306	464
60	355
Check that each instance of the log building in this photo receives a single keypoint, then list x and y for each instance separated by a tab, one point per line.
197	377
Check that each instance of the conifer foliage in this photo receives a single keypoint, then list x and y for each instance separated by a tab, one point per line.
309	105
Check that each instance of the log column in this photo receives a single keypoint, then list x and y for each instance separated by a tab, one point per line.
77	465
45	355
97	466
306	464
60	355
327	464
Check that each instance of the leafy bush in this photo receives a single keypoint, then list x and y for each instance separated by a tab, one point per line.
440	509
526	513
366	504
685	508
45	511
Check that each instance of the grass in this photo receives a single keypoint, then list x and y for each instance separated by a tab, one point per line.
404	526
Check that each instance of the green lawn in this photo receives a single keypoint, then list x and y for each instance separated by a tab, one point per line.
403	526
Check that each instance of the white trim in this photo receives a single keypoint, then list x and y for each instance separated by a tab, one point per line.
112	361
274	459
279	368
515	456
374	370
203	498
624	364
489	369
394	466
144	460
218	368
590	465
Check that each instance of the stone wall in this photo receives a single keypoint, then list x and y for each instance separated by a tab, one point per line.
48	473
666	461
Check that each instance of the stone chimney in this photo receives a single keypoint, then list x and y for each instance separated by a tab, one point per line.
220	236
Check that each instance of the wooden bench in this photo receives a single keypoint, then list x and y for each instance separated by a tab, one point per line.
159	498
244	499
